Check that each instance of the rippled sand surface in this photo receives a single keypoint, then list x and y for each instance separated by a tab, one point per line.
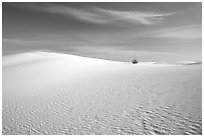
50	95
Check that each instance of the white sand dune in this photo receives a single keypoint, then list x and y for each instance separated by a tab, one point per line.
52	93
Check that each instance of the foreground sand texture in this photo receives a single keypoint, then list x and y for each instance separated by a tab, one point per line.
52	93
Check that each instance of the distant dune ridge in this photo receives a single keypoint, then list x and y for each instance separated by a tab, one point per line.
54	93
41	55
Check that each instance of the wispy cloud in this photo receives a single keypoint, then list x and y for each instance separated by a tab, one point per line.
99	15
184	32
134	17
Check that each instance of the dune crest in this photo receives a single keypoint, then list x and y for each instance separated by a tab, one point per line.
39	56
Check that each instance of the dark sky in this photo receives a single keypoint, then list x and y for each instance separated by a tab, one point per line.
152	31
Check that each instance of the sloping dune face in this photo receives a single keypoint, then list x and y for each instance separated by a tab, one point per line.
51	93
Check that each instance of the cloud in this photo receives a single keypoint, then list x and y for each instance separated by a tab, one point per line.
134	17
99	15
184	32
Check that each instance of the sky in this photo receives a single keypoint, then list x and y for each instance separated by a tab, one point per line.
119	31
